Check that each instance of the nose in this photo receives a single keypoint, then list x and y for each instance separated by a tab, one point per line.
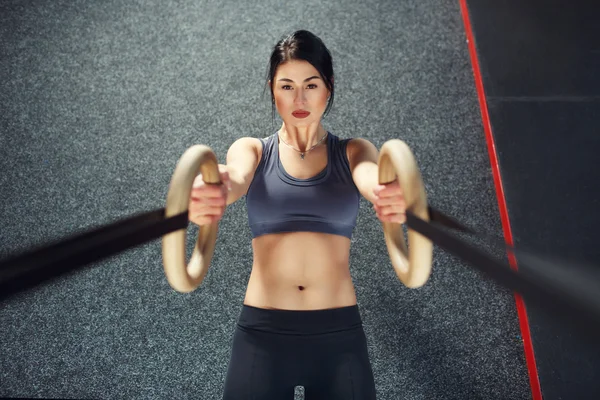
300	97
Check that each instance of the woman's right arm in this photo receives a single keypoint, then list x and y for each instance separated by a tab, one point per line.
208	202
242	159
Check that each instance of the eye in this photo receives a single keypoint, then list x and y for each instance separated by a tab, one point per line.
286	87
312	86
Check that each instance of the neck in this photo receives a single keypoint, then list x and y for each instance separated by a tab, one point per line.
302	137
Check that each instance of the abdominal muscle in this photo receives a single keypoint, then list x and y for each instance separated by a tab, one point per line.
300	271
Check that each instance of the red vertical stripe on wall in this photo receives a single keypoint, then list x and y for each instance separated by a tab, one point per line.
521	310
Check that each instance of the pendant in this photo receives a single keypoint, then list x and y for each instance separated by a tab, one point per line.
302	156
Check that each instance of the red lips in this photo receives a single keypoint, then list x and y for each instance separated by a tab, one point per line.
300	114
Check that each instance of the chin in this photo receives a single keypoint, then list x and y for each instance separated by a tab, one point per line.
295	122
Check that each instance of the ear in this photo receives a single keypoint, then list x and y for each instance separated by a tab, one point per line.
271	91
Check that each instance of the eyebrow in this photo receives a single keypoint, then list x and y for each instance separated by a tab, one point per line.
306	80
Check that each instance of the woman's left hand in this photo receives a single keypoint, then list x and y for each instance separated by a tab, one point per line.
389	203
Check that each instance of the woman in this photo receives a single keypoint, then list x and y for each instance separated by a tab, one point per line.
300	324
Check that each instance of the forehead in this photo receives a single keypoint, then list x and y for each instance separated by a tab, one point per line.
296	70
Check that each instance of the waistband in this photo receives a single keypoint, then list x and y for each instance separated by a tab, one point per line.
300	322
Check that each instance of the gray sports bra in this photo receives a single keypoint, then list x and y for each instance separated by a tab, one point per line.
327	202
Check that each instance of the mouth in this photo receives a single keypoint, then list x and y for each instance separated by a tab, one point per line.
300	114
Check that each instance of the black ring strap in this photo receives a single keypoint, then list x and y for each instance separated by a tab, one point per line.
567	289
31	268
573	291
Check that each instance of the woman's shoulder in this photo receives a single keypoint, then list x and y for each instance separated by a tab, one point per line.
356	146
349	141
259	147
246	142
358	142
252	142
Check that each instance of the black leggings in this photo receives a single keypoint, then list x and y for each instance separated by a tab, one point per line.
325	351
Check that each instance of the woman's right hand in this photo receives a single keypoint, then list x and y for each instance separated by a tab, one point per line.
208	201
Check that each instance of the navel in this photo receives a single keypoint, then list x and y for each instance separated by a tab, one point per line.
300	287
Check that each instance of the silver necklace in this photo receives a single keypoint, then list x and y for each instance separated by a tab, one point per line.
302	153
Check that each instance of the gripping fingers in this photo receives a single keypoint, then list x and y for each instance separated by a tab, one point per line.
214	208
207	204
395	218
208	201
204	190
204	215
394	209
206	209
390	209
391	201
395	213
205	220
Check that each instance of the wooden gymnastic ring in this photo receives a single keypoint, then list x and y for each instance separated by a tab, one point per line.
412	266
184	279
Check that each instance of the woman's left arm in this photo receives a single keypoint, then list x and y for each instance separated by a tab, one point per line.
387	200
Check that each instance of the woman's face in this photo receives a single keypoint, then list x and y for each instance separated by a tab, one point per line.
300	93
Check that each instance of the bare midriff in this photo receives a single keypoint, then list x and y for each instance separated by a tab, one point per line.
300	271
